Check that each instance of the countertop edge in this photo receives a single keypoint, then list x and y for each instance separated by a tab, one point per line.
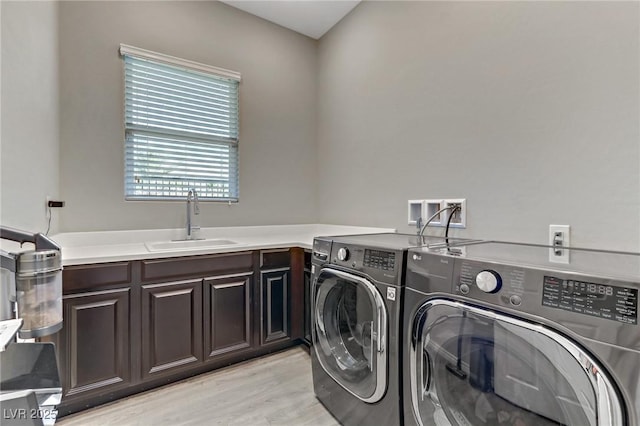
90	254
91	260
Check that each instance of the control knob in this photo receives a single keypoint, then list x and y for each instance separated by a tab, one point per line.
489	281
343	254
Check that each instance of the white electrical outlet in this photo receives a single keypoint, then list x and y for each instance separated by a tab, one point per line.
559	239
459	219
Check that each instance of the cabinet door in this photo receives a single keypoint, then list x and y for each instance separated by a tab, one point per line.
171	327
228	314
275	290
307	306
95	347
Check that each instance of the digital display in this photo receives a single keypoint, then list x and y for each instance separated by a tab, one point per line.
598	300
379	259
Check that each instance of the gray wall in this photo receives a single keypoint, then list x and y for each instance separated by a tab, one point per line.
277	98
29	138
529	110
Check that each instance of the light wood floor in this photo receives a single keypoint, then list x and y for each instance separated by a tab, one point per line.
273	390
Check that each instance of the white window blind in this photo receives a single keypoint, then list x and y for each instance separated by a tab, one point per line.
181	128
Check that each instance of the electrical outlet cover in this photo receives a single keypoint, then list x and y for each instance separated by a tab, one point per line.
559	255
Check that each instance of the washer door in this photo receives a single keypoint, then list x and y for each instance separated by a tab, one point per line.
470	366
350	323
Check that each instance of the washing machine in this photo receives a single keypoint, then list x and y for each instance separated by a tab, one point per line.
356	318
498	335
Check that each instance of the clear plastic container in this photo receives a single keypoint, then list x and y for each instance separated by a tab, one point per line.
39	292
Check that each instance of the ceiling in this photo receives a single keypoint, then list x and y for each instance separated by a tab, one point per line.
312	18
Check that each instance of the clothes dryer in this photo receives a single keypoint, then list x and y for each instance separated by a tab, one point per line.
498	335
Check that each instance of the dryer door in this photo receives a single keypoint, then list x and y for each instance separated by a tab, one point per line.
472	366
350	324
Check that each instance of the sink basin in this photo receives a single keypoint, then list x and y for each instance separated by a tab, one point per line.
188	244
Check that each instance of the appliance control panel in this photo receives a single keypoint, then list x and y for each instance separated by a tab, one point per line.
596	307
379	264
481	278
597	300
379	259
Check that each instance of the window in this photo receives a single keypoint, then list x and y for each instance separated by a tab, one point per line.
181	128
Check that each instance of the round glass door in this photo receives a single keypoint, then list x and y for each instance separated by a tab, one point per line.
474	367
350	326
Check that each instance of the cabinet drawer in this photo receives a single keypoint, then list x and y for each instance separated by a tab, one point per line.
179	267
85	277
270	259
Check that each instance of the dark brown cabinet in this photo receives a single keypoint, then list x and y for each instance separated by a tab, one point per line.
275	291
171	326
307	298
132	326
228	314
94	350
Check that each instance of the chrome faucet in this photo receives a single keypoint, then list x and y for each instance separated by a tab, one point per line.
196	211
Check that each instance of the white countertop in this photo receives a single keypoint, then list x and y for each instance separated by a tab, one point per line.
80	248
